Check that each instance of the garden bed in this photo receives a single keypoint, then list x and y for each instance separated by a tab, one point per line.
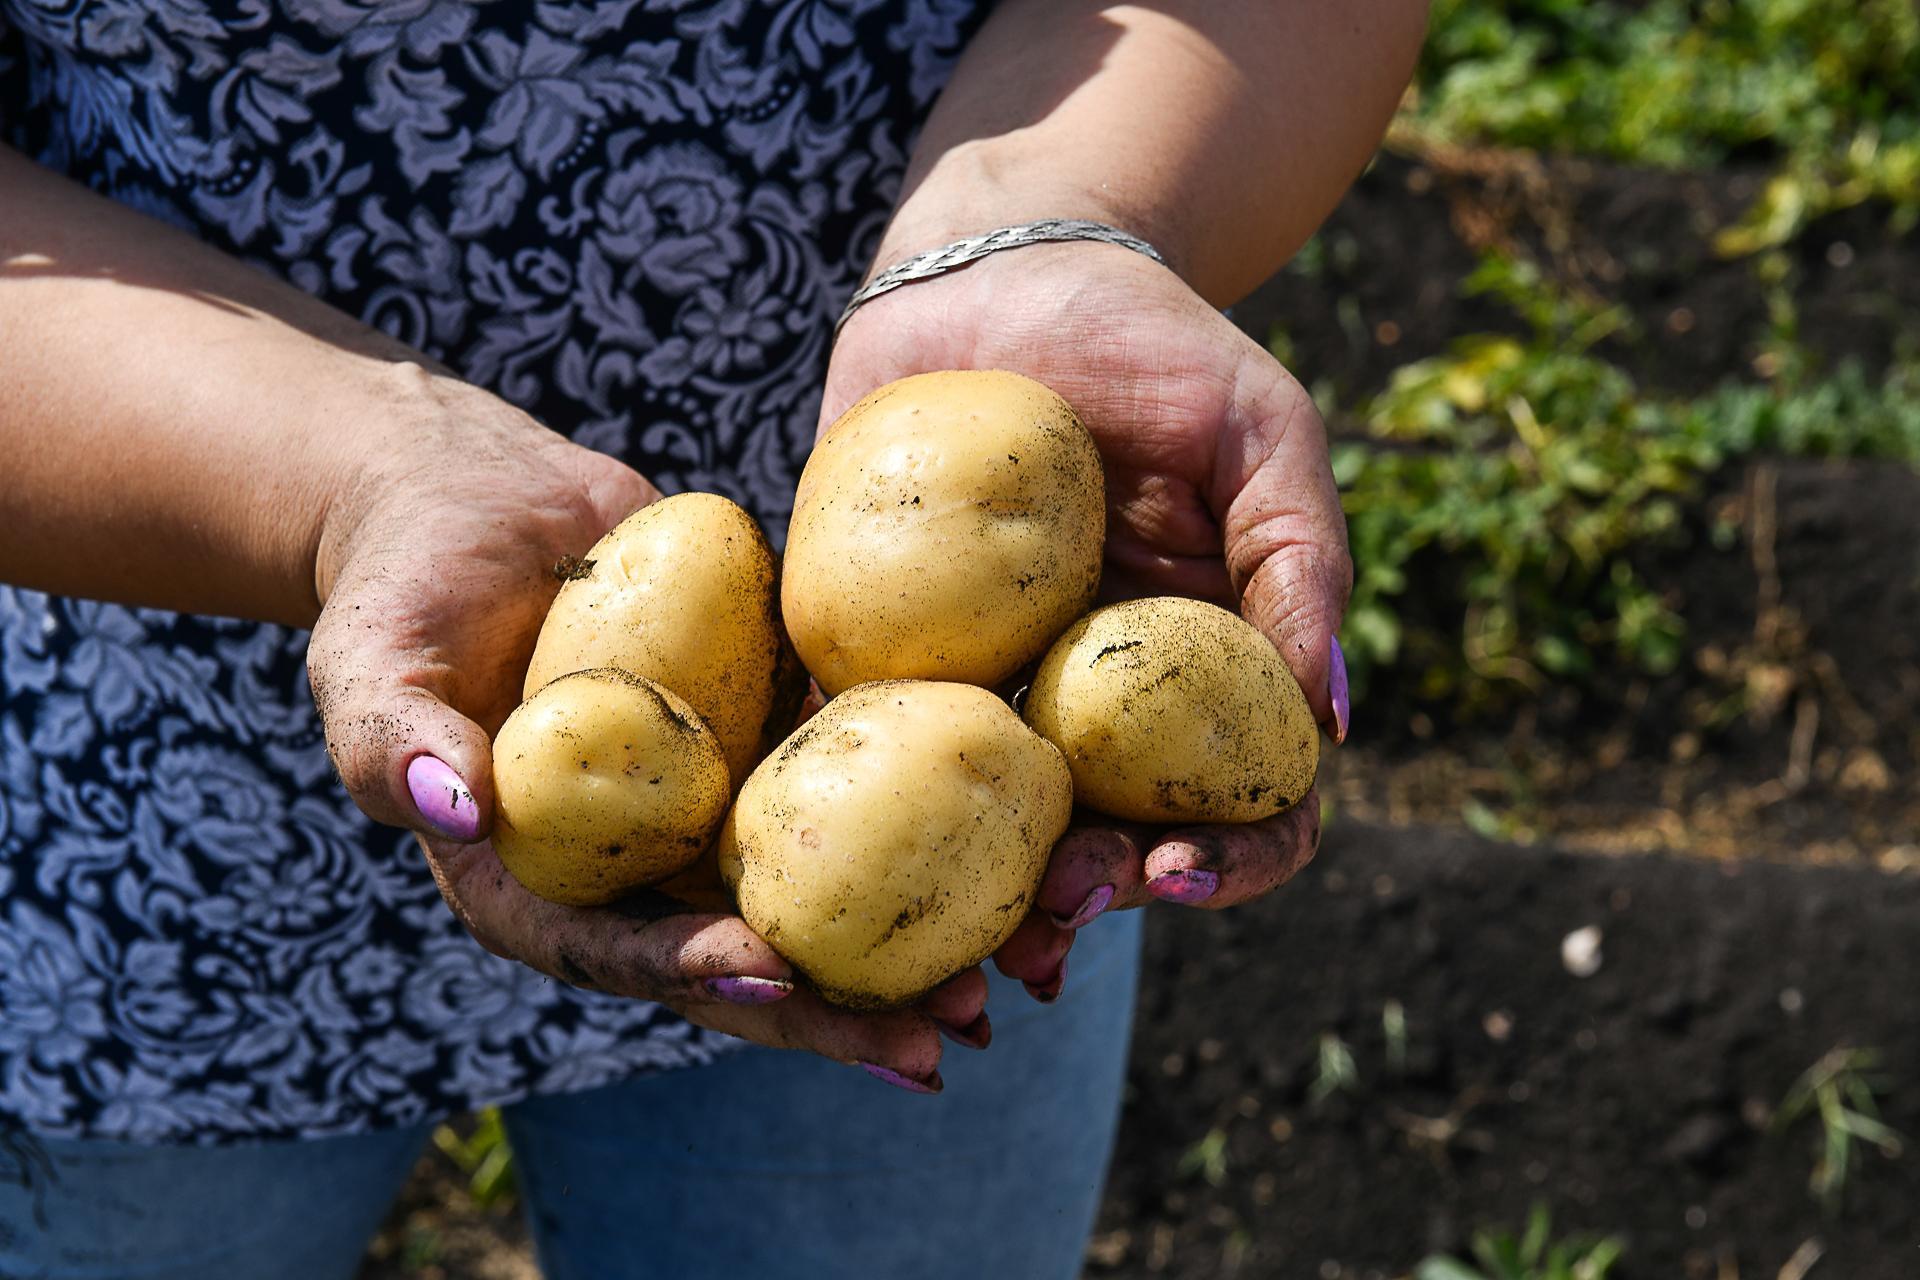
1639	1101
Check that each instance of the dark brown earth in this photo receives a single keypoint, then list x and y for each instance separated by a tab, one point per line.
1634	1102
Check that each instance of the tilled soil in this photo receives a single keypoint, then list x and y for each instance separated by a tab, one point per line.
1640	1101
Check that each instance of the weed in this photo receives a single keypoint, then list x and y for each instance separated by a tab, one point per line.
1841	1090
1393	1026
1533	1255
483	1156
1207	1158
1334	1069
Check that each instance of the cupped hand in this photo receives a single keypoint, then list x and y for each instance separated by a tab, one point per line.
1218	487
436	570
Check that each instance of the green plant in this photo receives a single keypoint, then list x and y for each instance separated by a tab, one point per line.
1533	1255
1206	1158
1841	1090
1334	1070
483	1156
1501	503
1828	95
1393	1028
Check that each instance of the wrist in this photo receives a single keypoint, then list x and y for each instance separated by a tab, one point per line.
419	435
979	187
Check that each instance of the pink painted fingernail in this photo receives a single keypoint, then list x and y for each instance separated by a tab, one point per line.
898	1081
1337	693
741	990
1048	992
1184	887
977	1034
444	802
1093	905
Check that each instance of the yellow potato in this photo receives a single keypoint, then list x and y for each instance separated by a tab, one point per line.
683	592
603	783
947	527
1170	710
896	838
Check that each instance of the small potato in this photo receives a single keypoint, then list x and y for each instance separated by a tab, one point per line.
685	593
604	783
1171	710
896	838
947	527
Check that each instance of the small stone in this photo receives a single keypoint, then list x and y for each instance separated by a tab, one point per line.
1580	951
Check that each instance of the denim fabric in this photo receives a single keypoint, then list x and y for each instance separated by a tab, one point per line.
764	1164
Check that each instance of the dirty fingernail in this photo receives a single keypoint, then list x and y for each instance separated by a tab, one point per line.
1184	887
977	1034
1093	905
899	1081
1048	992
444	802
749	990
1337	693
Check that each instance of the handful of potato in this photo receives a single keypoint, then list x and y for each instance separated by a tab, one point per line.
947	533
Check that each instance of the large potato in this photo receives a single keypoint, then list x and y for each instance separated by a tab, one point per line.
1170	710
896	838
947	527
683	592
603	783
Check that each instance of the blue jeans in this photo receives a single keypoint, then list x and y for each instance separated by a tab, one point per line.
765	1164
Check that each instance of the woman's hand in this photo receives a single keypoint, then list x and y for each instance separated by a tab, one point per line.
436	572
1218	487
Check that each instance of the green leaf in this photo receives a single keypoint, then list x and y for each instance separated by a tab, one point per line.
1441	1267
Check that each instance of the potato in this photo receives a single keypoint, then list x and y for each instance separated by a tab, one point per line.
683	592
603	783
1170	710
947	527
896	838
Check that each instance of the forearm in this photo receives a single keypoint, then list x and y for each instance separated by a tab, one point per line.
1223	131
177	426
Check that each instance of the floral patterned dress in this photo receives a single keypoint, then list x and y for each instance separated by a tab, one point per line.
635	220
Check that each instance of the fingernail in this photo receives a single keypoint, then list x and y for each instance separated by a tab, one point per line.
1047	993
1095	903
1337	693
977	1034
443	800
1184	887
749	990
898	1081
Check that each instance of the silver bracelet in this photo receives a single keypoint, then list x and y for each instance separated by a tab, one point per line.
952	257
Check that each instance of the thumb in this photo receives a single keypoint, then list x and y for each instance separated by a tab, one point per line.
406	757
1285	535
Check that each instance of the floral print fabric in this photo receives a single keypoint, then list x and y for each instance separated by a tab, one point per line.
635	220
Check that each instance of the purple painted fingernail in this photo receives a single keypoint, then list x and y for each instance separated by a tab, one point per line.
444	802
977	1034
1095	903
749	990
899	1081
1047	993
1184	887
1337	693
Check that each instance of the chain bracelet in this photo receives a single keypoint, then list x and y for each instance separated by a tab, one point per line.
951	257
